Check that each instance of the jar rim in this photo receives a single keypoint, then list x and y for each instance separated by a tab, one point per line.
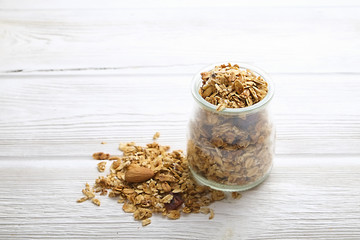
196	81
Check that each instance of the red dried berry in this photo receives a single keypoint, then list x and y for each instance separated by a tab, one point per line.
175	203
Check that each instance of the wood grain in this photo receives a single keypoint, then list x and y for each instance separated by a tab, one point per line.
283	39
71	115
304	198
114	4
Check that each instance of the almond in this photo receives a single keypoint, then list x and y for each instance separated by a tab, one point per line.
138	174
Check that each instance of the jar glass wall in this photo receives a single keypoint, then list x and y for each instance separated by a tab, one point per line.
232	149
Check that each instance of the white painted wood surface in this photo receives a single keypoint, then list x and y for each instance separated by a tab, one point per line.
75	74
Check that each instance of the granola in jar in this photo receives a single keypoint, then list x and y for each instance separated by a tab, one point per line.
231	134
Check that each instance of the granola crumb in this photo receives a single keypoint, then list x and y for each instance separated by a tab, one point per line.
103	142
83	199
236	195
128	207
220	107
173	214
95	201
212	214
114	158
101	166
142	213
88	192
156	135
146	222
205	210
101	156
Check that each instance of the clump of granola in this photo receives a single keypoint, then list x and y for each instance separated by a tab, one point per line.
88	192
152	179
229	86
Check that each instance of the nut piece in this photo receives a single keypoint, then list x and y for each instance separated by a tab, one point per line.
136	174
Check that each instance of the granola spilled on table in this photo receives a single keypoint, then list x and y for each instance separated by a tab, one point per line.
231	149
152	179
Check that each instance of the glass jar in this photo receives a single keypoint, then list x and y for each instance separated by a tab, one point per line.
232	149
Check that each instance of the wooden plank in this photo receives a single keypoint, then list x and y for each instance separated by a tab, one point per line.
70	115
280	39
304	198
111	4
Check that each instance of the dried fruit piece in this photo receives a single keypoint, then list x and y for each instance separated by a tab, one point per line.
136	174
175	202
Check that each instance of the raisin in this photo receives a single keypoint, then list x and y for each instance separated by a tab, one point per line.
175	203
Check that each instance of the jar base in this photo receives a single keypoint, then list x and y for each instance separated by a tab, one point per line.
228	188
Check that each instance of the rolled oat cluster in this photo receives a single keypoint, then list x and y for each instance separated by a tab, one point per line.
236	147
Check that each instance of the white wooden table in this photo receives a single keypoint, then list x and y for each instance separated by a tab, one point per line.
75	74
